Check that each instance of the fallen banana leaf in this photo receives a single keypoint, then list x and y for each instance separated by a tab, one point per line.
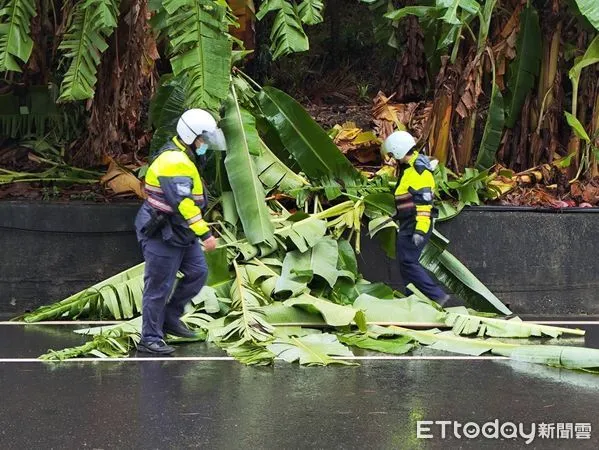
409	309
347	265
132	326
114	341
304	233
310	350
576	358
209	301
279	314
295	274
100	347
218	264
453	274
117	297
246	320
348	291
250	355
445	340
333	314
299	268
274	174
242	142
229	208
485	326
394	346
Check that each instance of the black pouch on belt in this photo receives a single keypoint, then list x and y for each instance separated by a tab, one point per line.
155	224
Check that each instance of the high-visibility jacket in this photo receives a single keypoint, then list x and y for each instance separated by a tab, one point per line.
174	187
414	196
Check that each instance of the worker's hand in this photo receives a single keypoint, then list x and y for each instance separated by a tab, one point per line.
209	244
417	239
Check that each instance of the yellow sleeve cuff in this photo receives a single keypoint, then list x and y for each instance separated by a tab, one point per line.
193	215
423	218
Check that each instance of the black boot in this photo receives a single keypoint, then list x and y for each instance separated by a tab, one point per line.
179	330
156	348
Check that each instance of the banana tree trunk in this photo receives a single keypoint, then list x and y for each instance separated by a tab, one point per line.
551	48
542	114
441	127
595	136
464	153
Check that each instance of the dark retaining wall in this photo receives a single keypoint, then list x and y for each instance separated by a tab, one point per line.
51	250
536	262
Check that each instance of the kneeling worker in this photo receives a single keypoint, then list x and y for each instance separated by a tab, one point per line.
414	204
168	226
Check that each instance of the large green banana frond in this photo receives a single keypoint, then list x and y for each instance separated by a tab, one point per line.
15	42
91	24
201	48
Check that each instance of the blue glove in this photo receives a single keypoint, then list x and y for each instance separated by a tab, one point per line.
417	239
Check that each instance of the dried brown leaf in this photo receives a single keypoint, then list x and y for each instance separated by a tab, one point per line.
121	181
365	155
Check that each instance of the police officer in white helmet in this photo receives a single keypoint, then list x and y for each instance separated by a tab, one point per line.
169	226
414	194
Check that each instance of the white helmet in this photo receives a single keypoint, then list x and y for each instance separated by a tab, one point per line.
398	144
195	123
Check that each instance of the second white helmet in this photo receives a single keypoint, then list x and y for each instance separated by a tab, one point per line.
195	123
398	144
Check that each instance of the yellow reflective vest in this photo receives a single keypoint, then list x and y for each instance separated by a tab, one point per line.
414	195
174	187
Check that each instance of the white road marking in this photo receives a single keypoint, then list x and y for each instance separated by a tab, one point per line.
230	358
406	324
566	322
67	322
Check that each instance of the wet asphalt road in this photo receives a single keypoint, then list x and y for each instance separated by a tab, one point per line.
225	405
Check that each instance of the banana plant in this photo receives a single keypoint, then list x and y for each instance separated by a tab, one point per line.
93	22
590	57
493	126
287	34
201	49
16	44
303	138
453	15
525	68
590	10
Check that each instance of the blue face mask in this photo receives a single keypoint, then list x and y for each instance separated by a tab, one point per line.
201	149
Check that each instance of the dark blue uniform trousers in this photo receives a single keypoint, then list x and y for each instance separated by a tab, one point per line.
162	263
410	269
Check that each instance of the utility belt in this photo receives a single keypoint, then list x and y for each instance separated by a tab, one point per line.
406	204
411	213
156	223
172	228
